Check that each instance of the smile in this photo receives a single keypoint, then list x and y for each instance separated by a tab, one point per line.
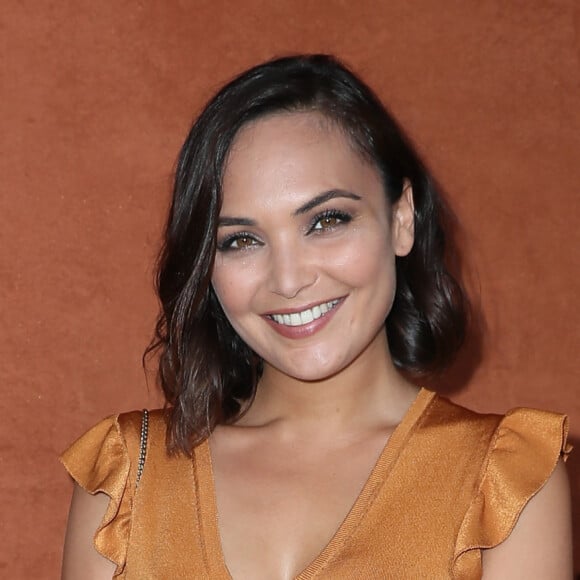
305	316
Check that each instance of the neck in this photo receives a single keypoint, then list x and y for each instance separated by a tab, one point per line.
369	393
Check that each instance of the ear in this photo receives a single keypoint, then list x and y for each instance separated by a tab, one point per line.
403	221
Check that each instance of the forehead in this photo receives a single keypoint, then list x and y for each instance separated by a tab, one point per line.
285	131
293	154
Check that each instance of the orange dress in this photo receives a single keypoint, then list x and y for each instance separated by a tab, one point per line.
449	483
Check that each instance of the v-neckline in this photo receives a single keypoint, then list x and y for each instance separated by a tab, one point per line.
206	501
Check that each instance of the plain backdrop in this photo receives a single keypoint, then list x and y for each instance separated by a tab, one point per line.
96	98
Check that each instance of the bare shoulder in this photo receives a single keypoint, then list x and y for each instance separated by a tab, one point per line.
540	545
80	558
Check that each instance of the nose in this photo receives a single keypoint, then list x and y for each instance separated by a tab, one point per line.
292	270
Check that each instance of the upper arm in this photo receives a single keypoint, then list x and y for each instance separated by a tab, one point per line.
540	545
81	559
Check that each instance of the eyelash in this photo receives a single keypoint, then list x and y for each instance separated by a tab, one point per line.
341	216
226	245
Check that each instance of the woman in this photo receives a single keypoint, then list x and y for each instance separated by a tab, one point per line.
301	221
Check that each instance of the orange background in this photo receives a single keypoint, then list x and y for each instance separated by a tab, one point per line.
96	99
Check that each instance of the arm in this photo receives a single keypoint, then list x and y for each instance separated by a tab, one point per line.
540	545
81	560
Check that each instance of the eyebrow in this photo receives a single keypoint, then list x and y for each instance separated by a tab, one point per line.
232	221
309	205
325	196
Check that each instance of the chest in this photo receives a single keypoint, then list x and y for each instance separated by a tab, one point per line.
278	510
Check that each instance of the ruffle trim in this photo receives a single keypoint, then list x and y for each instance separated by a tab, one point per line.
521	459
99	462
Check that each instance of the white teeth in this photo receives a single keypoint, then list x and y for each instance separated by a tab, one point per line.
306	316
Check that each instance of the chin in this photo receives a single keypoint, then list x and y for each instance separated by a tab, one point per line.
313	369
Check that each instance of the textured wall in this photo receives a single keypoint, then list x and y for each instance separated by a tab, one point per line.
96	98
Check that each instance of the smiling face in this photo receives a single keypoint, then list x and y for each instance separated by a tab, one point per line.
306	246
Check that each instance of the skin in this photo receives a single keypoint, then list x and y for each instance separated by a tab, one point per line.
329	394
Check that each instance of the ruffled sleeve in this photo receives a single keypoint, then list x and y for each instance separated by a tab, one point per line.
523	454
99	462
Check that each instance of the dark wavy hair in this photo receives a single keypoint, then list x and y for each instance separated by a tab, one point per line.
206	371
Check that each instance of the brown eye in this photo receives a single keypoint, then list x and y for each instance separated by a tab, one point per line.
328	222
242	243
239	241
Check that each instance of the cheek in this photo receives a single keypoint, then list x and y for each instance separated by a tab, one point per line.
234	285
367	261
369	269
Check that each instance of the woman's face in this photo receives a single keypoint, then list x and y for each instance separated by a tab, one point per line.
306	245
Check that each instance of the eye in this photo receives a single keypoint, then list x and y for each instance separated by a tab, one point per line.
326	223
242	242
239	241
329	220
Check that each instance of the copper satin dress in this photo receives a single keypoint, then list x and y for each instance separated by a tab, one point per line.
448	483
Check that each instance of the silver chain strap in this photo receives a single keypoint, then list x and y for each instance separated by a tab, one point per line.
143	445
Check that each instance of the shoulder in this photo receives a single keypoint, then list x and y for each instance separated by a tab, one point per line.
527	433
110	442
521	485
103	462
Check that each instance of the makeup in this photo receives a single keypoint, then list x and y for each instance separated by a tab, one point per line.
305	321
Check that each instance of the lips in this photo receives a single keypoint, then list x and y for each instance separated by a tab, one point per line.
297	324
304	316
